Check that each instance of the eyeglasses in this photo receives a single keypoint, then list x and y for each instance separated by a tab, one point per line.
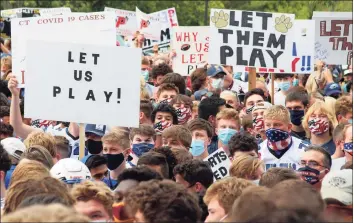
312	164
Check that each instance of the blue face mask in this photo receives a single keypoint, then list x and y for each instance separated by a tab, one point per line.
296	116
197	147
225	135
284	86
348	147
237	75
296	82
141	148
145	74
276	135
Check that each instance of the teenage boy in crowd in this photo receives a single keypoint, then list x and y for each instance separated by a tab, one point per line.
285	82
142	140
315	163
202	132
159	71
146	109
344	110
227	125
177	136
196	176
252	97
166	93
207	110
297	103
243	143
258	121
280	149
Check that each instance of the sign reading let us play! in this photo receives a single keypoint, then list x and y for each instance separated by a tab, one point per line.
83	83
247	38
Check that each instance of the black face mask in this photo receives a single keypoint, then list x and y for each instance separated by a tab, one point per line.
114	160
94	147
309	174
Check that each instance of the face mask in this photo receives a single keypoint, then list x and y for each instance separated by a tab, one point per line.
318	126
309	175
94	147
348	147
237	75
145	74
296	116
197	147
258	124
141	148
166	101
183	114
217	83
276	135
114	160
225	135
296	82
161	125
249	110
284	86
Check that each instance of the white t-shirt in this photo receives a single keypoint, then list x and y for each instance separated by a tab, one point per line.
290	159
337	163
279	98
239	85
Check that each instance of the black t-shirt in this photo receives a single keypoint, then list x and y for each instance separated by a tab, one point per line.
299	135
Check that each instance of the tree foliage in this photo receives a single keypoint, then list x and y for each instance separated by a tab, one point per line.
190	13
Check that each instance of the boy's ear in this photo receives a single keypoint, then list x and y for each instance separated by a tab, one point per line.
289	127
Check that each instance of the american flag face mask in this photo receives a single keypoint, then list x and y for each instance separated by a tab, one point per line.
278	139
318	126
348	147
258	124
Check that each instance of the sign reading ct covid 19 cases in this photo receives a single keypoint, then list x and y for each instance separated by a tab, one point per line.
247	38
83	83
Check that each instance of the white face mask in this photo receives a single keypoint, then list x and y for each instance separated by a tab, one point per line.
217	83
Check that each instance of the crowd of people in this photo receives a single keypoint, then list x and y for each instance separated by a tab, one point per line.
291	161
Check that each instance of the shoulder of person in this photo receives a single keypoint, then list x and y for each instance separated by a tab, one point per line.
300	144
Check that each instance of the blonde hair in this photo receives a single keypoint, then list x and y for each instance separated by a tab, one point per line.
277	112
40	154
245	166
116	137
228	93
42	139
322	107
89	190
195	106
330	103
344	105
228	113
144	95
29	169
226	191
7	61
46	213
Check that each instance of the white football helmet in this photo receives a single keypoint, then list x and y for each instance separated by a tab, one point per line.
70	171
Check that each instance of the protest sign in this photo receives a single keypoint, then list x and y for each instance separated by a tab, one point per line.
334	37
148	24
220	164
126	23
247	38
54	11
86	28
168	20
191	45
83	83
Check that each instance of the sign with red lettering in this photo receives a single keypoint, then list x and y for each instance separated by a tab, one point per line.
90	79
253	39
191	44
334	37
125	21
86	28
148	24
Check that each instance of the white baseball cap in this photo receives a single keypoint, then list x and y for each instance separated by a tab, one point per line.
13	145
338	185
70	171
261	105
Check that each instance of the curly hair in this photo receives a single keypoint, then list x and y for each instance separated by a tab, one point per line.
242	141
151	197
6	130
176	79
165	108
22	189
139	173
4	111
160	70
94	190
226	191
170	158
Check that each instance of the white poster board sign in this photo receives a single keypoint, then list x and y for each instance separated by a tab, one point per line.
54	11
85	28
334	37
219	163
247	38
191	44
83	83
168	20
148	24
126	23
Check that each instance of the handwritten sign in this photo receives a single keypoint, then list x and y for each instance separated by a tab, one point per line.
220	164
247	38
83	83
126	22
334	37
168	20
191	45
89	28
148	24
54	11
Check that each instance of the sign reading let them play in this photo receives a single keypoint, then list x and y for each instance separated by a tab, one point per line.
83	83
247	38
